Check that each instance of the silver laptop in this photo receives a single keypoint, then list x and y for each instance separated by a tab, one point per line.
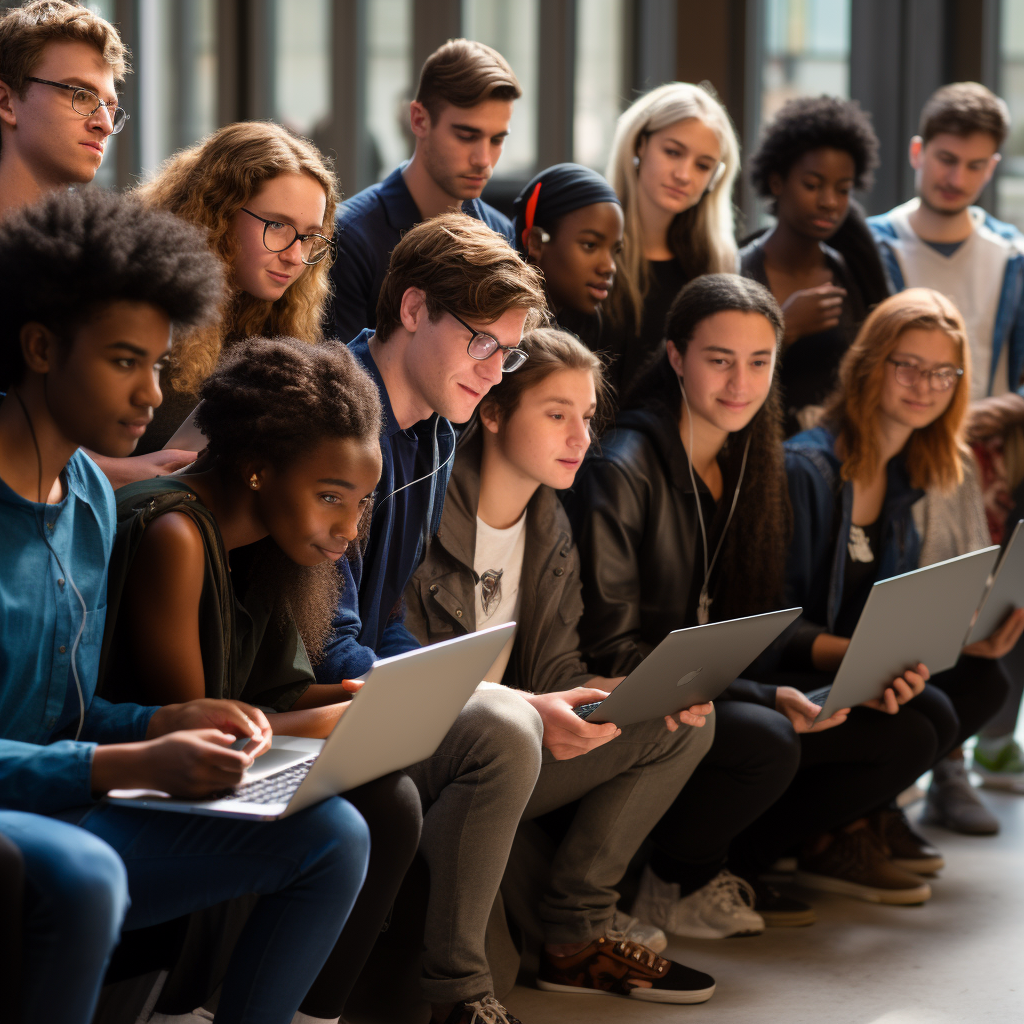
398	718
690	666
1005	591
920	616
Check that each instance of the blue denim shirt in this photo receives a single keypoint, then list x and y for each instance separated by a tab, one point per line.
45	549
368	227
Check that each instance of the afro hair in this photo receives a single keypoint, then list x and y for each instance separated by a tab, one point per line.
814	122
74	252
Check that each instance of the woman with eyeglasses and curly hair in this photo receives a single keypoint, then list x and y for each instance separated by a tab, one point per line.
267	199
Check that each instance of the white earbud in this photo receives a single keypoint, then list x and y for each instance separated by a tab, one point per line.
636	162
544	236
717	176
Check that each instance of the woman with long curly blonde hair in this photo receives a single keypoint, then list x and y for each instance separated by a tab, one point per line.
267	199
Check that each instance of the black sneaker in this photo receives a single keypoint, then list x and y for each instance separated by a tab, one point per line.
780	910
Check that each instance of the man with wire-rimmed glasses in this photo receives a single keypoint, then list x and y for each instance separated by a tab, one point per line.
59	64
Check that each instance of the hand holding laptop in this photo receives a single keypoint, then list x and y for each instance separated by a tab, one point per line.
803	713
567	735
1003	640
901	690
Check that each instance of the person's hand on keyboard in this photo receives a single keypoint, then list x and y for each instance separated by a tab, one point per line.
229	716
802	712
565	733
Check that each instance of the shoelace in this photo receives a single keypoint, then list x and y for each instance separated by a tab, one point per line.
488	1011
626	925
729	892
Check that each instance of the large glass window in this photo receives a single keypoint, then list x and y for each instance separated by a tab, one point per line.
806	51
389	84
511	28
598	96
1010	182
175	68
301	64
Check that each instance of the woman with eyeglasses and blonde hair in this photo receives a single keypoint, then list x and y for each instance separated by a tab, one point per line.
892	431
673	163
267	199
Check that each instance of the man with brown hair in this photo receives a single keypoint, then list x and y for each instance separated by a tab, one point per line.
450	316
460	118
59	63
941	240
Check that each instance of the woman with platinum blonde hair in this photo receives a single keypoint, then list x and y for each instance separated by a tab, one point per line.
674	160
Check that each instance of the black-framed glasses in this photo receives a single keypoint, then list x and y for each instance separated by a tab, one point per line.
277	237
482	346
86	103
941	379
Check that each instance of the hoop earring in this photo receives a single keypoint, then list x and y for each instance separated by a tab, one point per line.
254	482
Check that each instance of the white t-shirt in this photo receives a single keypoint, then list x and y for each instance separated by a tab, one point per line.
972	277
498	563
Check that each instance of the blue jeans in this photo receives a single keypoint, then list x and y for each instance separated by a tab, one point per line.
308	868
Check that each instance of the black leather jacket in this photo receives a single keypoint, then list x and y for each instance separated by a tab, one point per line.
634	518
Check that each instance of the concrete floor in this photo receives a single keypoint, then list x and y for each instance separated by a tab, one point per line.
958	959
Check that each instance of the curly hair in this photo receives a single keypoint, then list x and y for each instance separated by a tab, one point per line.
271	400
73	252
814	122
751	567
208	184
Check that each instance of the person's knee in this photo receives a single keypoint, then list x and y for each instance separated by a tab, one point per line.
505	728
393	811
84	889
335	836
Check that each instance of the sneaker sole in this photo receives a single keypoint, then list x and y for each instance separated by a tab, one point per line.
789	919
895	897
941	821
710	933
647	995
920	865
1005	784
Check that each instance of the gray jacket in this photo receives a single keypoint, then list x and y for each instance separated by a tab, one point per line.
440	597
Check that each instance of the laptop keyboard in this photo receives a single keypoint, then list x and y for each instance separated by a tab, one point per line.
819	697
586	710
274	789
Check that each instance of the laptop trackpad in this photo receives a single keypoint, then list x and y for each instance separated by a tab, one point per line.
274	760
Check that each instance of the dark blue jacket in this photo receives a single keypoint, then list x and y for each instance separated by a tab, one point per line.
822	511
370	622
368	227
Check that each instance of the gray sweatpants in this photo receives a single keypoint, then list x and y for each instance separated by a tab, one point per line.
491	772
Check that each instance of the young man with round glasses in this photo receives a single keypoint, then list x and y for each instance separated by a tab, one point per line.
450	317
59	64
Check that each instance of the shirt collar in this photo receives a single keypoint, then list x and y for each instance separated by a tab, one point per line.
399	205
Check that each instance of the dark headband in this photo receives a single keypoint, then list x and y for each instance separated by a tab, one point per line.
554	193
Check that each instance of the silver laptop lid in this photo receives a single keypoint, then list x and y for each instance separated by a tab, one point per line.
921	616
1005	592
691	666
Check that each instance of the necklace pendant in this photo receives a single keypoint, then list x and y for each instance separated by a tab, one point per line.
703	609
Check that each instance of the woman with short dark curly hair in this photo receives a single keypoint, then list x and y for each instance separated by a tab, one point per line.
812	155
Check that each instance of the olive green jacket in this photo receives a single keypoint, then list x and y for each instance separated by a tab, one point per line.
440	597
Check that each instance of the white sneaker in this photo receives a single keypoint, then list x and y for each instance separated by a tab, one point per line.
624	927
722	908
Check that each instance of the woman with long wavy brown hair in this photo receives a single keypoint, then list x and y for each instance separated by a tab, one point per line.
267	198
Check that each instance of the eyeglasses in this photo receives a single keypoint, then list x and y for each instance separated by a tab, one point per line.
941	379
277	237
86	103
483	346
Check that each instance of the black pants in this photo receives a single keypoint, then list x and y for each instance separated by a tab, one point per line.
752	761
977	688
392	809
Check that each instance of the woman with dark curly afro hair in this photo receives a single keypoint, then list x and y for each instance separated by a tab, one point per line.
223	580
812	155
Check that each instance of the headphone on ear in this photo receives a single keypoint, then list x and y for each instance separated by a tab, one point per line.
716	177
